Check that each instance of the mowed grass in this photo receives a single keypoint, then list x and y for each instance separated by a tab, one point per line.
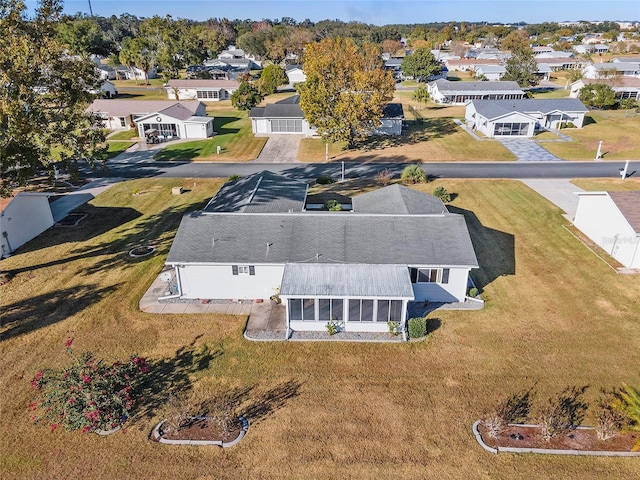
436	139
618	130
233	135
608	184
555	316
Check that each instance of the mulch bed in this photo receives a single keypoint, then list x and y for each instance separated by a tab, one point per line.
526	436
205	429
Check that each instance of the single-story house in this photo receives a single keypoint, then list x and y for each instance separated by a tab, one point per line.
521	118
624	87
286	116
459	93
468	64
106	72
108	89
358	269
176	121
197	89
611	69
22	218
612	221
121	114
243	64
561	63
295	74
541	49
134	73
490	72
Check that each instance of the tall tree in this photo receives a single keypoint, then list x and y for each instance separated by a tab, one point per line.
421	64
516	41
522	68
346	89
83	37
271	78
597	95
43	96
246	96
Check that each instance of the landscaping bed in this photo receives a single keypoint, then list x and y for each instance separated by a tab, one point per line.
581	439
203	431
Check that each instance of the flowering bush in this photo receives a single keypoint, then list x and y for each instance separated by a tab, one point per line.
90	394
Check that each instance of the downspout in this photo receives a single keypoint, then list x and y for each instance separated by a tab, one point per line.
178	280
287	330
635	252
404	320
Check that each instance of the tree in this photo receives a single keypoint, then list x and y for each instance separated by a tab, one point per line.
522	68
271	78
246	96
597	95
391	46
516	41
346	89
421	94
83	37
44	93
421	64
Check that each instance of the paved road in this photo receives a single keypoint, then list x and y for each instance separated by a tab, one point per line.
517	170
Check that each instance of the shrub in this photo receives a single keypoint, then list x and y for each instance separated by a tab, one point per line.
394	327
383	177
628	104
324	180
610	420
442	194
332	327
473	292
515	409
333	206
234	177
417	327
90	394
629	404
562	412
413	174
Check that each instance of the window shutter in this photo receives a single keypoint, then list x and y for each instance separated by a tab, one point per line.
252	270
234	269
445	275
414	274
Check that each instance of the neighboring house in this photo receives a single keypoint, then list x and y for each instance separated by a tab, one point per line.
612	221
359	269
243	65
106	72
121	114
554	54
468	64
205	90
490	72
134	73
521	118
108	89
176	121
623	87
23	218
459	93
610	69
541	49
286	116
295	74
600	48
562	63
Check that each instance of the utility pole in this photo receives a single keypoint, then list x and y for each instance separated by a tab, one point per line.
90	9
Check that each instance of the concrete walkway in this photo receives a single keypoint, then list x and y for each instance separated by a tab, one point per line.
280	149
560	192
527	150
70	201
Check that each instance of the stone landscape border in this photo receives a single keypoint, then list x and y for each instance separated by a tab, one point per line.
548	451
155	434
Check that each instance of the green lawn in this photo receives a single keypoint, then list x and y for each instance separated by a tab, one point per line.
557	93
142	92
233	135
618	130
116	148
124	135
555	316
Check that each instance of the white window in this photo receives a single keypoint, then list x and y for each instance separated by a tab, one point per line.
430	275
243	269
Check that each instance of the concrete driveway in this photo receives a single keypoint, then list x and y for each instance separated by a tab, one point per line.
280	149
527	150
561	192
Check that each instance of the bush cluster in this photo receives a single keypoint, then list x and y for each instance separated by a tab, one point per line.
417	327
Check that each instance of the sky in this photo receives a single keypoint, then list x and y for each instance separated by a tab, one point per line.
377	12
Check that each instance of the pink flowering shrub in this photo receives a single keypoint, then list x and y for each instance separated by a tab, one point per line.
90	394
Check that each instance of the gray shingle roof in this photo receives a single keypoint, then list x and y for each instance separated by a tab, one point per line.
393	110
259	193
397	199
629	205
339	280
452	88
496	108
340	237
122	107
178	111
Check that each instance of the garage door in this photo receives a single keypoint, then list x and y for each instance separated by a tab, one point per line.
286	126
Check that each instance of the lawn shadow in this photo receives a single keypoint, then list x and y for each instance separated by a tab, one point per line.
220	122
417	131
263	405
185	153
495	250
42	310
172	376
588	120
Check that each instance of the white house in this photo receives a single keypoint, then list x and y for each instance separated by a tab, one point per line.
611	69
459	93
490	72
391	121
108	89
624	87
122	114
295	74
612	221
176	121
205	90
521	118
134	73
360	269
23	218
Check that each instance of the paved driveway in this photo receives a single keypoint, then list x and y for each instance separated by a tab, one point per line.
527	150
560	192
280	149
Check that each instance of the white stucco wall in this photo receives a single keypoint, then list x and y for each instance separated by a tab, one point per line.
218	281
26	217
260	126
598	217
192	94
454	291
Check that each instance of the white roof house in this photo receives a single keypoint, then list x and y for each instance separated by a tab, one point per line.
624	87
295	74
255	237
521	118
23	218
609	69
459	93
198	89
612	221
